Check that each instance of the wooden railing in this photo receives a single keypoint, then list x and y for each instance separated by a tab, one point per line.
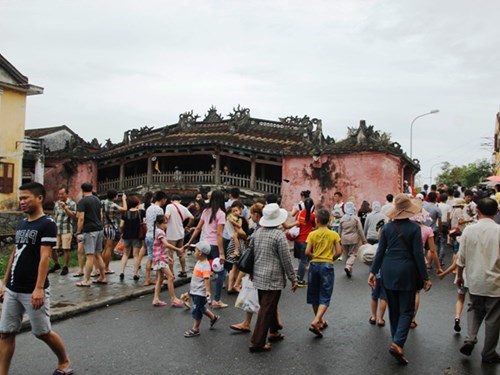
173	179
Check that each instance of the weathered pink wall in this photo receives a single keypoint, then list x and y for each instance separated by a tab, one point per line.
55	177
365	176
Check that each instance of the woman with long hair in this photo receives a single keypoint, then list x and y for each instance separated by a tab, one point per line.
212	221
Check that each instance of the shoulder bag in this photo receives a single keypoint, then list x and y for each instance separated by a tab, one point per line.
246	261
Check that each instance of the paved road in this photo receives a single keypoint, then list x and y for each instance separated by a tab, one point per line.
134	337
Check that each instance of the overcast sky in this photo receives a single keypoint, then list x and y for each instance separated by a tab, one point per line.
109	66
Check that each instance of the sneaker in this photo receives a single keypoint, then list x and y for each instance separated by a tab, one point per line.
54	268
457	327
301	284
339	259
64	271
214	320
219	305
182	274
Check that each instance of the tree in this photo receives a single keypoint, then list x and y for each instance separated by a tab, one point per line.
468	175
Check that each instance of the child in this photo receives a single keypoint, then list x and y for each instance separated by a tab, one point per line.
161	260
200	289
320	245
461	292
233	286
233	224
378	293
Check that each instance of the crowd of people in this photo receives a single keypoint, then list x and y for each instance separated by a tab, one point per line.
407	237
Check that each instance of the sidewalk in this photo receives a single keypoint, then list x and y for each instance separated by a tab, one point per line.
67	300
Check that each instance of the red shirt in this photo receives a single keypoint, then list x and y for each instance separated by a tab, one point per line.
305	226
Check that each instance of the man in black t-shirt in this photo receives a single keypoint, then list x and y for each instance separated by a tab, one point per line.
90	233
25	286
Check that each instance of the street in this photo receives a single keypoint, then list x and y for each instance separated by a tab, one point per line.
135	337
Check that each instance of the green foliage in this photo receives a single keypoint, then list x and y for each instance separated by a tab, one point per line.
468	175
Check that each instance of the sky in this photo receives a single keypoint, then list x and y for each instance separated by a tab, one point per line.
114	65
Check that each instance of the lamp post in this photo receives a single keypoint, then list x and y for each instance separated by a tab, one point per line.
431	112
430	176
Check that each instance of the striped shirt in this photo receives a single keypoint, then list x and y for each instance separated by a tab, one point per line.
63	221
112	210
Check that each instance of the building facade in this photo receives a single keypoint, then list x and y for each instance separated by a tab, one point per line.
14	89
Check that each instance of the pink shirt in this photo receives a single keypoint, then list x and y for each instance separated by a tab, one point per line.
160	252
210	228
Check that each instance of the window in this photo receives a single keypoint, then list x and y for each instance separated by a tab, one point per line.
6	178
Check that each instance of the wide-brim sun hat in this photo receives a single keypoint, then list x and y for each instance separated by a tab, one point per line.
404	207
273	215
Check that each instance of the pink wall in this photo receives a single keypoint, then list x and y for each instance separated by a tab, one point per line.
366	176
56	177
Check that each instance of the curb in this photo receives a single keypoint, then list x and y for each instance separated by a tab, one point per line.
72	311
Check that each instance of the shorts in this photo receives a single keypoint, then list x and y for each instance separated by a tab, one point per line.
133	243
14	307
177	243
378	292
198	306
149	247
320	282
63	241
111	233
158	266
92	242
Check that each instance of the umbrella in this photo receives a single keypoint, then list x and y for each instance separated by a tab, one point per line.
494	178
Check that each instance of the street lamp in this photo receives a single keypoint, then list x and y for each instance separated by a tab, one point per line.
430	176
411	128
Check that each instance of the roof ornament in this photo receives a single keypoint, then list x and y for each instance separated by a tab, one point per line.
212	115
240	117
187	120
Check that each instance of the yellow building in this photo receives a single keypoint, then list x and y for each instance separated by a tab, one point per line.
14	88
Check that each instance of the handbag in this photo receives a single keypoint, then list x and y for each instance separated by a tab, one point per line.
246	261
143	229
419	282
455	232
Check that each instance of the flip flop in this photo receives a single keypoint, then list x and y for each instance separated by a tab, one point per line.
239	328
373	321
110	272
78	275
82	285
400	357
95	275
382	323
316	331
275	338
160	304
62	372
325	324
100	282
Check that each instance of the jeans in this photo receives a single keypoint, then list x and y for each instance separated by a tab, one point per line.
320	283
214	253
301	246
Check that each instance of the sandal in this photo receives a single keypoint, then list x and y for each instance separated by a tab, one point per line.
79	274
381	323
214	320
82	285
275	337
373	321
191	333
413	324
324	324
62	372
259	349
239	328
399	355
316	331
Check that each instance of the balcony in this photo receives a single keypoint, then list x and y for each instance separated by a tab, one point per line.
188	180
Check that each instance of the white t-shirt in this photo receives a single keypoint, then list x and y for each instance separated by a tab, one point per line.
445	210
151	213
175	229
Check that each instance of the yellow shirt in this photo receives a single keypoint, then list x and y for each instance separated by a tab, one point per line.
497	195
323	242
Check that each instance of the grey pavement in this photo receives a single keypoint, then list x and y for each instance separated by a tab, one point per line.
68	300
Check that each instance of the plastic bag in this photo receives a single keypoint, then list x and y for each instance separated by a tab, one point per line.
248	299
119	249
367	252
